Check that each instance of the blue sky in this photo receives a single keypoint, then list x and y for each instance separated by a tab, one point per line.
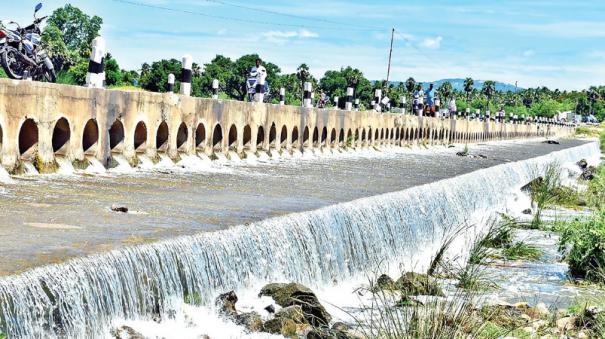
559	44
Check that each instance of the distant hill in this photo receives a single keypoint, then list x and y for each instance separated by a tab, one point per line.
458	84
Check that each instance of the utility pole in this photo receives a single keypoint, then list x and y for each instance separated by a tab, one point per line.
390	54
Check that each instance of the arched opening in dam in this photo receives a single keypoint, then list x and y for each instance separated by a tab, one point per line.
90	137
283	138
61	136
161	138
333	137
260	138
272	136
295	141
341	137
217	138
349	141
181	138
363	135
370	135
247	140
140	137
232	138
324	136
305	142
315	137
28	139
200	137
116	136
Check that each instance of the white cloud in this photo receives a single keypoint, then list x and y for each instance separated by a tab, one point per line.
283	36
432	43
529	53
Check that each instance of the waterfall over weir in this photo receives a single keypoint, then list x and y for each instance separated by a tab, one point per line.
80	298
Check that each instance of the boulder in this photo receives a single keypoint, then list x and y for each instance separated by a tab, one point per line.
532	184
582	164
270	309
251	320
296	294
551	142
412	283
462	154
384	282
588	173
527	211
567	323
126	332
286	321
226	303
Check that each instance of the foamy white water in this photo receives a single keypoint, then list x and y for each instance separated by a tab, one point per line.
85	296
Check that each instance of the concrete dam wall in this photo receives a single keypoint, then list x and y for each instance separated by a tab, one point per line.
42	121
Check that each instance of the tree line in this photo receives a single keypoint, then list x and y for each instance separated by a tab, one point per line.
69	33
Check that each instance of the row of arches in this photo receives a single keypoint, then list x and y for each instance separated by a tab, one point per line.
251	137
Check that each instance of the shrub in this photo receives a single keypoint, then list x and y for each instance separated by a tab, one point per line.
584	242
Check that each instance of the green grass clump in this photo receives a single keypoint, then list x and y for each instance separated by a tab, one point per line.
583	243
520	250
543	191
595	194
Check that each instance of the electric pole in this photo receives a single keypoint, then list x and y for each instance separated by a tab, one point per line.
390	55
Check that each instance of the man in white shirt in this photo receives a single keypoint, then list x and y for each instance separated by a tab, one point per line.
260	73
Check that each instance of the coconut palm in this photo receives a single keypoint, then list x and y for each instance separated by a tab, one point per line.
489	89
469	84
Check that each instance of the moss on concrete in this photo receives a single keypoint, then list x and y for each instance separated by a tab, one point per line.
47	167
134	161
80	164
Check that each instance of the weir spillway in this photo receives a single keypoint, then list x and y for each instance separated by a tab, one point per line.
306	220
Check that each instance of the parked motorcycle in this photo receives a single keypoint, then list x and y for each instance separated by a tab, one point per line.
21	55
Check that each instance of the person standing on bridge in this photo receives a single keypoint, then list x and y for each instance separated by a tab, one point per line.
429	108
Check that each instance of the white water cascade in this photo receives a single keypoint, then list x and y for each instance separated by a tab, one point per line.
79	298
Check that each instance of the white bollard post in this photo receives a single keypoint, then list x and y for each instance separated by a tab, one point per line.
170	84
377	95
307	95
186	75
215	89
356	105
349	101
336	99
402	101
282	96
95	78
259	95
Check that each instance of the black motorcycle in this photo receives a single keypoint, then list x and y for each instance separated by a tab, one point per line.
21	55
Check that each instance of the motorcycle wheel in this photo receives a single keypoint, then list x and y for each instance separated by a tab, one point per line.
50	75
10	63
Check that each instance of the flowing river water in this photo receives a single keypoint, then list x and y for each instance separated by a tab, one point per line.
205	227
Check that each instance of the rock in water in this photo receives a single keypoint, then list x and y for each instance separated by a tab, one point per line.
384	282
296	294
413	283
126	332
252	321
582	164
226	303
286	321
121	209
551	142
270	309
588	173
527	211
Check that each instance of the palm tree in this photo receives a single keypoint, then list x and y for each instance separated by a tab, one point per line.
410	85
489	89
445	91
469	84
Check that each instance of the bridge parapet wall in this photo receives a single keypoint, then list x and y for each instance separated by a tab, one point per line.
41	121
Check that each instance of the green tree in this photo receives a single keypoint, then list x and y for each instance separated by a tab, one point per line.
410	85
156	78
469	85
78	28
113	74
488	89
445	92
